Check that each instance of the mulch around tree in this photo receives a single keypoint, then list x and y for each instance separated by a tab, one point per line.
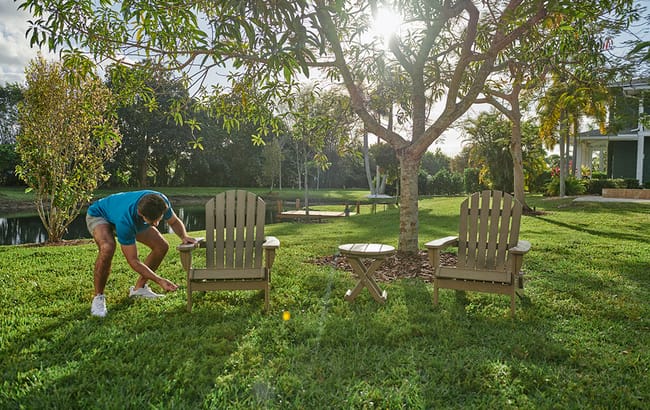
399	266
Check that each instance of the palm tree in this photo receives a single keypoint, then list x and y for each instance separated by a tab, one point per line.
488	136
566	102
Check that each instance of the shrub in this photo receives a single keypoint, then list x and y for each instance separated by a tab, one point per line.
445	182
68	132
471	180
538	184
573	186
8	161
595	186
424	183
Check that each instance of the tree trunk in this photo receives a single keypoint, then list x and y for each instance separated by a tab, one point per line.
377	181
408	221
518	163
142	173
142	166
563	154
366	161
562	166
574	167
306	191
565	150
299	154
162	171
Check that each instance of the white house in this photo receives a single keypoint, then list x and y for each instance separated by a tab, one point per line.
627	150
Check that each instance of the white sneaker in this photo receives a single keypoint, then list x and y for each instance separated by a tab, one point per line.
98	308
144	292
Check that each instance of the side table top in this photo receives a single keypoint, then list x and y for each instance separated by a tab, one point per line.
366	249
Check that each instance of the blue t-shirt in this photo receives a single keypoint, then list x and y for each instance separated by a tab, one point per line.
121	210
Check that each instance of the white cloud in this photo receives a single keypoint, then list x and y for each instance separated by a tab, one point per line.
15	52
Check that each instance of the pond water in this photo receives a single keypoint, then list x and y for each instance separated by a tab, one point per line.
29	229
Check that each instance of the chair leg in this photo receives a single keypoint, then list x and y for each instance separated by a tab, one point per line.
266	297
189	296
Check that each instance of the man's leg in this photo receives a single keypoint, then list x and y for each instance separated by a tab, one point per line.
159	246
103	235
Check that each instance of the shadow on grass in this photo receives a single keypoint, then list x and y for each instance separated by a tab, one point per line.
226	353
372	227
143	354
597	232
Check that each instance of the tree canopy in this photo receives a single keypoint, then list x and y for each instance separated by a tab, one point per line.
426	74
67	133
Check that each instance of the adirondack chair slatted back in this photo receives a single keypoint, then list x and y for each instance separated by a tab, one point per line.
238	254
490	254
235	230
489	226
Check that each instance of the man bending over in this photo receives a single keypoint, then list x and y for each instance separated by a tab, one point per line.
132	216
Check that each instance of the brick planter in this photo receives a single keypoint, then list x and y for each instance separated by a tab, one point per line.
626	193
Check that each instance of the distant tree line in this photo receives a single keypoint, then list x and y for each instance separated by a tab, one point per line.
157	150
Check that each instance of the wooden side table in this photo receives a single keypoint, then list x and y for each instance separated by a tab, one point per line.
376	253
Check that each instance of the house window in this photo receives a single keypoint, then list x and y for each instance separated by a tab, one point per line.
622	158
624	112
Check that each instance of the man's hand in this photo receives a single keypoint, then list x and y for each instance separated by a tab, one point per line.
167	285
188	240
179	229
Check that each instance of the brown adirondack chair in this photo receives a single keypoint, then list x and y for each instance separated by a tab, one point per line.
238	256
490	253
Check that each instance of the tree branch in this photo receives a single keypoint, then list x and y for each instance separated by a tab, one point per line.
356	95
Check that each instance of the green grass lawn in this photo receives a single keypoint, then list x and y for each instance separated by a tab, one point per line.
14	201
580	338
338	195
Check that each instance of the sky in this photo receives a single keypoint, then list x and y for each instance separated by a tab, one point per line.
15	54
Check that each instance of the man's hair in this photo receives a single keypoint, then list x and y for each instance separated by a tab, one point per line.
152	206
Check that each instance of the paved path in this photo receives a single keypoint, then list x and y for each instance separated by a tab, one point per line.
596	198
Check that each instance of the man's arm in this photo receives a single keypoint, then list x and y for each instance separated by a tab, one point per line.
179	229
131	254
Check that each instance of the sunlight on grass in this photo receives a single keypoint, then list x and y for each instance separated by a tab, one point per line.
579	339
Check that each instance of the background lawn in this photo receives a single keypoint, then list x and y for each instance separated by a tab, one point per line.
579	338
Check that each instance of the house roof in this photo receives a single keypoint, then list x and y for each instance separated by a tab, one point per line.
622	135
634	86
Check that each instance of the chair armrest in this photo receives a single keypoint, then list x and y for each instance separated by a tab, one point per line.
186	247
271	242
521	248
434	247
442	242
185	251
